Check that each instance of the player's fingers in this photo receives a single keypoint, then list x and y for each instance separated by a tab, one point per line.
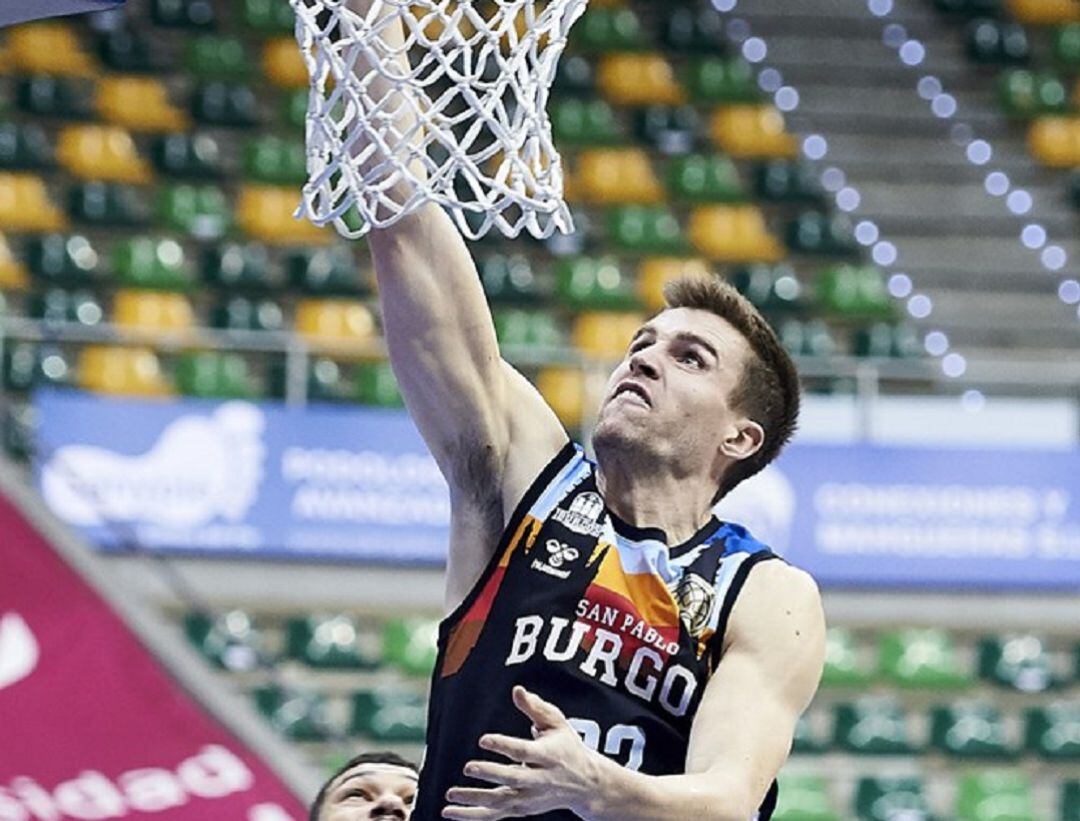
544	714
517	749
508	775
472	813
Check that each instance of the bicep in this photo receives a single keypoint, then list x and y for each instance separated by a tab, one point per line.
766	677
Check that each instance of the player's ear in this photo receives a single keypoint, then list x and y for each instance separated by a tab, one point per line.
743	440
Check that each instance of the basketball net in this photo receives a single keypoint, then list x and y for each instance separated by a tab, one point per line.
444	101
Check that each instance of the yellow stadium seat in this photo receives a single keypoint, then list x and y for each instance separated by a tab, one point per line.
615	176
139	103
265	212
1055	141
564	391
1045	12
122	371
98	152
334	321
284	64
655	272
153	311
5	59
733	233
12	272
605	334
639	79
49	48
25	205
752	132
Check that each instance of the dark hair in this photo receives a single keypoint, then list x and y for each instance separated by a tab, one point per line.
393	759
768	391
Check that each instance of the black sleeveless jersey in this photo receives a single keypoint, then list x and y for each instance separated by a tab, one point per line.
601	618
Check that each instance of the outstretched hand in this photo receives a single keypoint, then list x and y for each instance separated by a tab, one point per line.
552	770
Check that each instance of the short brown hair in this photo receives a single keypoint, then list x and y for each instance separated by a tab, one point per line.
768	391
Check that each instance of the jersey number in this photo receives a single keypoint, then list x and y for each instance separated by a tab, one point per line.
619	736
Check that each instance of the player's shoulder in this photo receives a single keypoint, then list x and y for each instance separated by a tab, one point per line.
780	580
776	596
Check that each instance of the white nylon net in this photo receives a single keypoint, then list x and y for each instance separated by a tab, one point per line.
444	101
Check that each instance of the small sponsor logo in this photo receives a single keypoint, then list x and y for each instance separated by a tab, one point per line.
583	515
559	554
696	599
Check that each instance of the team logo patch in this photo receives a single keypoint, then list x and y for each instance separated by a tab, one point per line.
695	598
584	514
559	555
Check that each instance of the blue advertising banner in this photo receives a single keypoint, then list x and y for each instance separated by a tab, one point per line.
358	483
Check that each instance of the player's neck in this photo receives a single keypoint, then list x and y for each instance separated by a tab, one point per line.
679	506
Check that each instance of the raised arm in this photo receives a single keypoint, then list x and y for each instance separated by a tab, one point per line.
487	427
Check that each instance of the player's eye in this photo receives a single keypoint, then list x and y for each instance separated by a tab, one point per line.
409	799
692	357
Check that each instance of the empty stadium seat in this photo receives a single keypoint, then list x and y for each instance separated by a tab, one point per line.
183	14
592	283
121	371
12	271
201	212
645	229
1018	662
331	642
807	740
814	232
63	258
269	16
389	716
564	390
212	374
228	640
655	272
853	291
25	205
296	714
669	129
232	105
217	57
970	730
24	146
128	49
283	63
1044	12
377	385
509	280
409	645
326	271
108	205
57	305
844	665
733	233
999	795
188	155
27	365
716	80
807	338
574	75
705	178
147	263
324	380
276	161
788	181
1055	141
49	48
584	122
1053	731
139	104
331	321
872	726
1027	94
605	335
608	30
99	152
886	340
62	97
774	289
522	329
152	311
1067	45
244	314
890	799
751	132
237	267
639	79
18	430
265	213
688	28
803	798
611	176
995	41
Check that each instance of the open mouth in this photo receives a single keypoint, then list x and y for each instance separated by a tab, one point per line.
632	389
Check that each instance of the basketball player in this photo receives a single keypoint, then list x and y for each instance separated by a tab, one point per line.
369	787
641	659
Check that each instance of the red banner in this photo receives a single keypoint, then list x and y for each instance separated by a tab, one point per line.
91	725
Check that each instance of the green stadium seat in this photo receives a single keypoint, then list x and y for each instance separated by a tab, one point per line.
692	29
1067	45
409	645
63	258
806	740
243	314
195	156
522	329
294	108
705	178
389	716
969	730
812	338
269	16
24	146
996	42
108	205
144	262
298	715
509	280
603	29
27	365
229	640
18	430
130	51
854	291
922	658
646	229
326	381
212	374
61	97
803	798
275	161
226	105
1000	795
325	271
844	666
1070	801
1053	731
788	181
716	80
58	306
774	289
669	129
814	232
1028	94
885	340
185	14
201	212
573	76
331	642
577	121
594	283
237	267
377	385
1017	662
890	799
871	726
217	57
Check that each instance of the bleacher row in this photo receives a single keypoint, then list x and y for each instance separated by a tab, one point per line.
148	176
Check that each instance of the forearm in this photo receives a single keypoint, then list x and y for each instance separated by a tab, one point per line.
619	794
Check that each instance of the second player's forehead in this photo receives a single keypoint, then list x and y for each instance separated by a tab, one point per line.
393	776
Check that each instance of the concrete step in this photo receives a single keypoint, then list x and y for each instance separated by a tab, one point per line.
1000	255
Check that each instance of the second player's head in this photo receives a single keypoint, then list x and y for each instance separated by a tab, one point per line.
706	388
369	787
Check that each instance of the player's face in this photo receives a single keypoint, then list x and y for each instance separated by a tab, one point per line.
670	393
371	792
